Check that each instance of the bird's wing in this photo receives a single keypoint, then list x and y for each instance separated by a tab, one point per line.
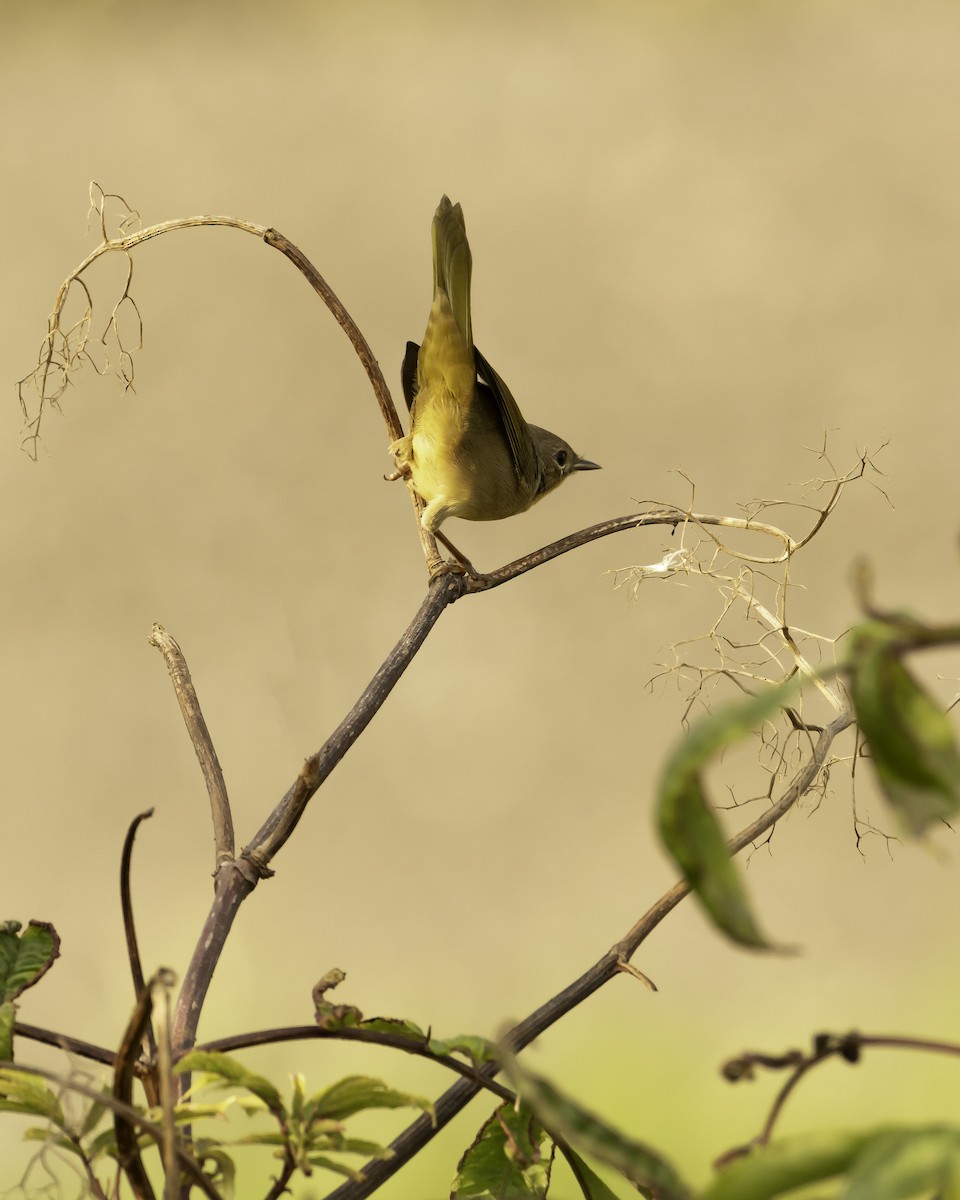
408	373
522	446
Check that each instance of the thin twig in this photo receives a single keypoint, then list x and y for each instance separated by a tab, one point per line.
71	1045
593	533
374	1037
846	1046
202	743
133	953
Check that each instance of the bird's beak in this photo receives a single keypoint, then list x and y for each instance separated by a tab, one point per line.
584	464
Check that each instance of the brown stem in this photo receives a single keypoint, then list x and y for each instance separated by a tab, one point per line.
274	238
234	885
202	743
149	1045
374	1037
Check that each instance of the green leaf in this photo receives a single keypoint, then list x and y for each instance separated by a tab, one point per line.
652	1174
93	1116
507	1159
331	1164
778	1168
224	1173
911	739
344	1016
25	958
365	1147
8	1015
479	1050
688	825
356	1093
22	1092
105	1143
591	1185
230	1073
900	1163
59	1140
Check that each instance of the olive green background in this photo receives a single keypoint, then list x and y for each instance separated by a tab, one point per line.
705	237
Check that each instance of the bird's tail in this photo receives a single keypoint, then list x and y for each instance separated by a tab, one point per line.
452	264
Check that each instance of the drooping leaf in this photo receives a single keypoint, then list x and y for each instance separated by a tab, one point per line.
344	1016
356	1093
339	1168
900	1163
911	739
689	828
652	1173
591	1185
228	1072
8	1016
777	1169
224	1173
510	1159
22	1092
479	1050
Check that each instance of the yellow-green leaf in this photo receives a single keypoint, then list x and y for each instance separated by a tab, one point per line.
689	827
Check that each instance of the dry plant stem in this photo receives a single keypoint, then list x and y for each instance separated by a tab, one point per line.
873	1041
202	743
455	1098
593	533
234	885
274	238
150	1084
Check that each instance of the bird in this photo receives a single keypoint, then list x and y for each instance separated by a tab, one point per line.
469	452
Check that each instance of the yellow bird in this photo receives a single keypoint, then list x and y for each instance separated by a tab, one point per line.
469	452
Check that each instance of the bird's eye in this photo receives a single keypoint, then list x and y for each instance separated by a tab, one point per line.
561	458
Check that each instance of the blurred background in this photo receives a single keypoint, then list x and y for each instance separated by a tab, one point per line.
706	237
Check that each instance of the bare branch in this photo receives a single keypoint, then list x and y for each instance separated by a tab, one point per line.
202	743
233	886
63	1041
